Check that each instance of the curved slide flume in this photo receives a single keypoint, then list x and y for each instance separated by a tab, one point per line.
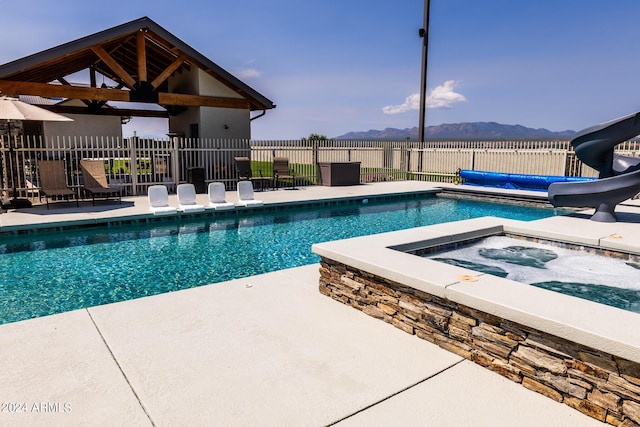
619	175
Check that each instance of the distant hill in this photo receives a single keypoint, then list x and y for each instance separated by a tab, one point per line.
457	131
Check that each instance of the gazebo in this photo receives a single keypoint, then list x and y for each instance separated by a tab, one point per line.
145	64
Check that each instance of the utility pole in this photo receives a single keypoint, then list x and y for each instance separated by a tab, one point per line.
424	34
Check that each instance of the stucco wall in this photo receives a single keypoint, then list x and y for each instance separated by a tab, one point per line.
180	123
212	122
224	123
209	86
85	125
185	81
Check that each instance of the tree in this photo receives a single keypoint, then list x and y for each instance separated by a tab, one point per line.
315	137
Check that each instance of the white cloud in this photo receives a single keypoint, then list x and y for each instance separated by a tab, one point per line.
411	103
442	96
248	73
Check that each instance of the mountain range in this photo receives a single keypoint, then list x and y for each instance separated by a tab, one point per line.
458	131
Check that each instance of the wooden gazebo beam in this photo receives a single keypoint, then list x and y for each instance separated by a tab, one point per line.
12	87
142	57
9	87
122	112
167	72
113	64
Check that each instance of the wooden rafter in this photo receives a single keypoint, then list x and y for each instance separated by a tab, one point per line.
92	76
122	112
167	72
163	44
113	64
100	94
202	101
93	83
142	57
10	87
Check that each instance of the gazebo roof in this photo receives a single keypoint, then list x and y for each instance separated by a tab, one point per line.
139	56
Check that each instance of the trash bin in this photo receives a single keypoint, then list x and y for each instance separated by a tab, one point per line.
195	176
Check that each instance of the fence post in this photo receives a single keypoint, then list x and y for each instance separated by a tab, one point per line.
406	158
174	160
314	158
133	164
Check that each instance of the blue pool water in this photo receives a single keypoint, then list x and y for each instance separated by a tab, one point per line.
53	272
570	271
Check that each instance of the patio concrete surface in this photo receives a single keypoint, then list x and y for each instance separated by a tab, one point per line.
260	351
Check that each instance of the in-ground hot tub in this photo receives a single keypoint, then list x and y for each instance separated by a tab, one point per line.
607	277
576	351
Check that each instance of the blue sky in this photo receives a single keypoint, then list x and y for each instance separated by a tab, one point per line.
333	66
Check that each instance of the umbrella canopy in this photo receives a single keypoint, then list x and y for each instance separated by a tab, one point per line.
14	109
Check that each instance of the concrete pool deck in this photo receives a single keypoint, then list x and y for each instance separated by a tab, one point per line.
240	353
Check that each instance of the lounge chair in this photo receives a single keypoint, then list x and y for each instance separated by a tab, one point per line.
53	181
245	195
243	166
95	181
217	197
159	200
281	171
187	199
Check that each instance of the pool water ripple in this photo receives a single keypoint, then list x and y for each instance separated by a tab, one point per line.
605	280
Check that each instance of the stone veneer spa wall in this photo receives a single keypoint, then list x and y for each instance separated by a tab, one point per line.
595	383
578	352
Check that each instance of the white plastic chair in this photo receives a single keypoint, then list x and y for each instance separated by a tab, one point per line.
187	199
217	198
245	195
159	200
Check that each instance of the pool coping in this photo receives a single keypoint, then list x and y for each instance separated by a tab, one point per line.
591	324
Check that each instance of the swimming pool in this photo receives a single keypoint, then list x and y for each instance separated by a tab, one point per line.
52	272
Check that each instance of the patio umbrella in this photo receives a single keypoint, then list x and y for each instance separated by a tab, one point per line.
14	109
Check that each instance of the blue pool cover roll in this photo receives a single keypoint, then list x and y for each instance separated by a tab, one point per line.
514	180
